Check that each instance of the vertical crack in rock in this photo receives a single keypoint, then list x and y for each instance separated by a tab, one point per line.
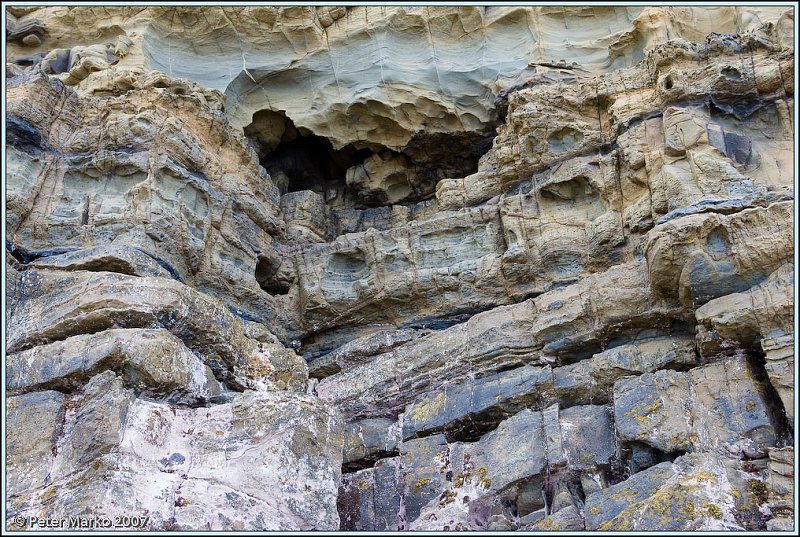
784	429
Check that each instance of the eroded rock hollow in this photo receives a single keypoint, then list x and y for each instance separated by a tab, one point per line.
401	268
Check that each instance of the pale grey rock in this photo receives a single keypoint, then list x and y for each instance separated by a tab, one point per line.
386	179
780	368
197	468
378	218
36	420
152	361
122	259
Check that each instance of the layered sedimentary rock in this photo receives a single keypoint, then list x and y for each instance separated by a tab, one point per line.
401	268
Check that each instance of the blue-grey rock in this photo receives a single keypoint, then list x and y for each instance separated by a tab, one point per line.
730	409
587	436
692	493
390	512
526	445
591	381
476	406
369	439
424	469
719	406
603	507
653	409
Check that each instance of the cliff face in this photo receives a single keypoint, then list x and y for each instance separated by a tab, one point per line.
381	268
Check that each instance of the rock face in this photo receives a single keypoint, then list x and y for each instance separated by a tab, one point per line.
401	268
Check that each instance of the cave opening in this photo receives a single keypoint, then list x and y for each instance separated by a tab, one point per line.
269	276
297	159
360	177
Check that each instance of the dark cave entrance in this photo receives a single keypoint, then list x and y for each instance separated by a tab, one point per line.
269	277
297	159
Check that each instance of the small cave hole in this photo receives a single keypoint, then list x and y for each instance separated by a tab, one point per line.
24	62
269	278
578	189
718	242
297	159
668	82
731	73
347	266
564	139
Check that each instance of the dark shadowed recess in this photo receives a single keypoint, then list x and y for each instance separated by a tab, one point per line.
297	159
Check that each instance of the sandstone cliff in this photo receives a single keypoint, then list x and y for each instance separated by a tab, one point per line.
392	268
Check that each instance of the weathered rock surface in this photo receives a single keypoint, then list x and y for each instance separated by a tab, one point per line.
387	268
561	324
714	407
187	468
692	493
781	489
167	177
150	360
